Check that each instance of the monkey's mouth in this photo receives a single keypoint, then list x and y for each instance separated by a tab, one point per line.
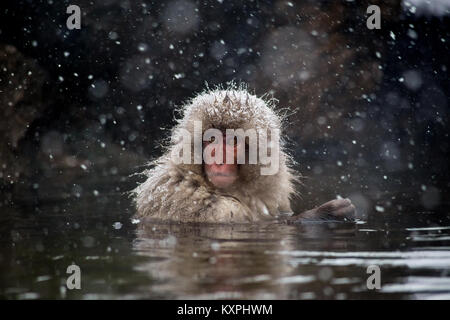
222	174
221	179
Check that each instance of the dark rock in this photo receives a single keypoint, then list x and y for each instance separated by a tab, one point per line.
22	101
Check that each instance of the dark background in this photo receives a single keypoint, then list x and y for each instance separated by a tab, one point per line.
367	110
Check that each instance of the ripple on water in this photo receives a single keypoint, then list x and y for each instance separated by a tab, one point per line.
416	284
437	259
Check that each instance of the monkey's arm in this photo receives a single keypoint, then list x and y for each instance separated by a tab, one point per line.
334	210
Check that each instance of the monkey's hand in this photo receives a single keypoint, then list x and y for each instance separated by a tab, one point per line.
334	210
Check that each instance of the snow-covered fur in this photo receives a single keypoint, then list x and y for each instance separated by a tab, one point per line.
181	192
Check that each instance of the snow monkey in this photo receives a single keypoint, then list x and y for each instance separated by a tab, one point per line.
226	164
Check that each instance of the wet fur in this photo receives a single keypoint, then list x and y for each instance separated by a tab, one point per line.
182	192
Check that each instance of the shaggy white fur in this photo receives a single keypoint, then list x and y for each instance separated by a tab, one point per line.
181	192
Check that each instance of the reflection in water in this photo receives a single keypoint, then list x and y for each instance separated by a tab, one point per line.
283	261
121	258
221	261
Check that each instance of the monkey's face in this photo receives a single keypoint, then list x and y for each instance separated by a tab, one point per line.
222	173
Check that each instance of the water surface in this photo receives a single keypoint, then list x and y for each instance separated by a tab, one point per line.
90	223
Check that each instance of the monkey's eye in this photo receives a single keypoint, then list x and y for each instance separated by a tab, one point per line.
232	141
211	140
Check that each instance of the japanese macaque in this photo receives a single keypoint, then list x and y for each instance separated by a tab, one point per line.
233	169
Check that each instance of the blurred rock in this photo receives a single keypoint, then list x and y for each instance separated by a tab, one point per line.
22	101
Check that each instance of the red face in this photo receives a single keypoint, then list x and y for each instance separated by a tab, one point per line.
223	175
